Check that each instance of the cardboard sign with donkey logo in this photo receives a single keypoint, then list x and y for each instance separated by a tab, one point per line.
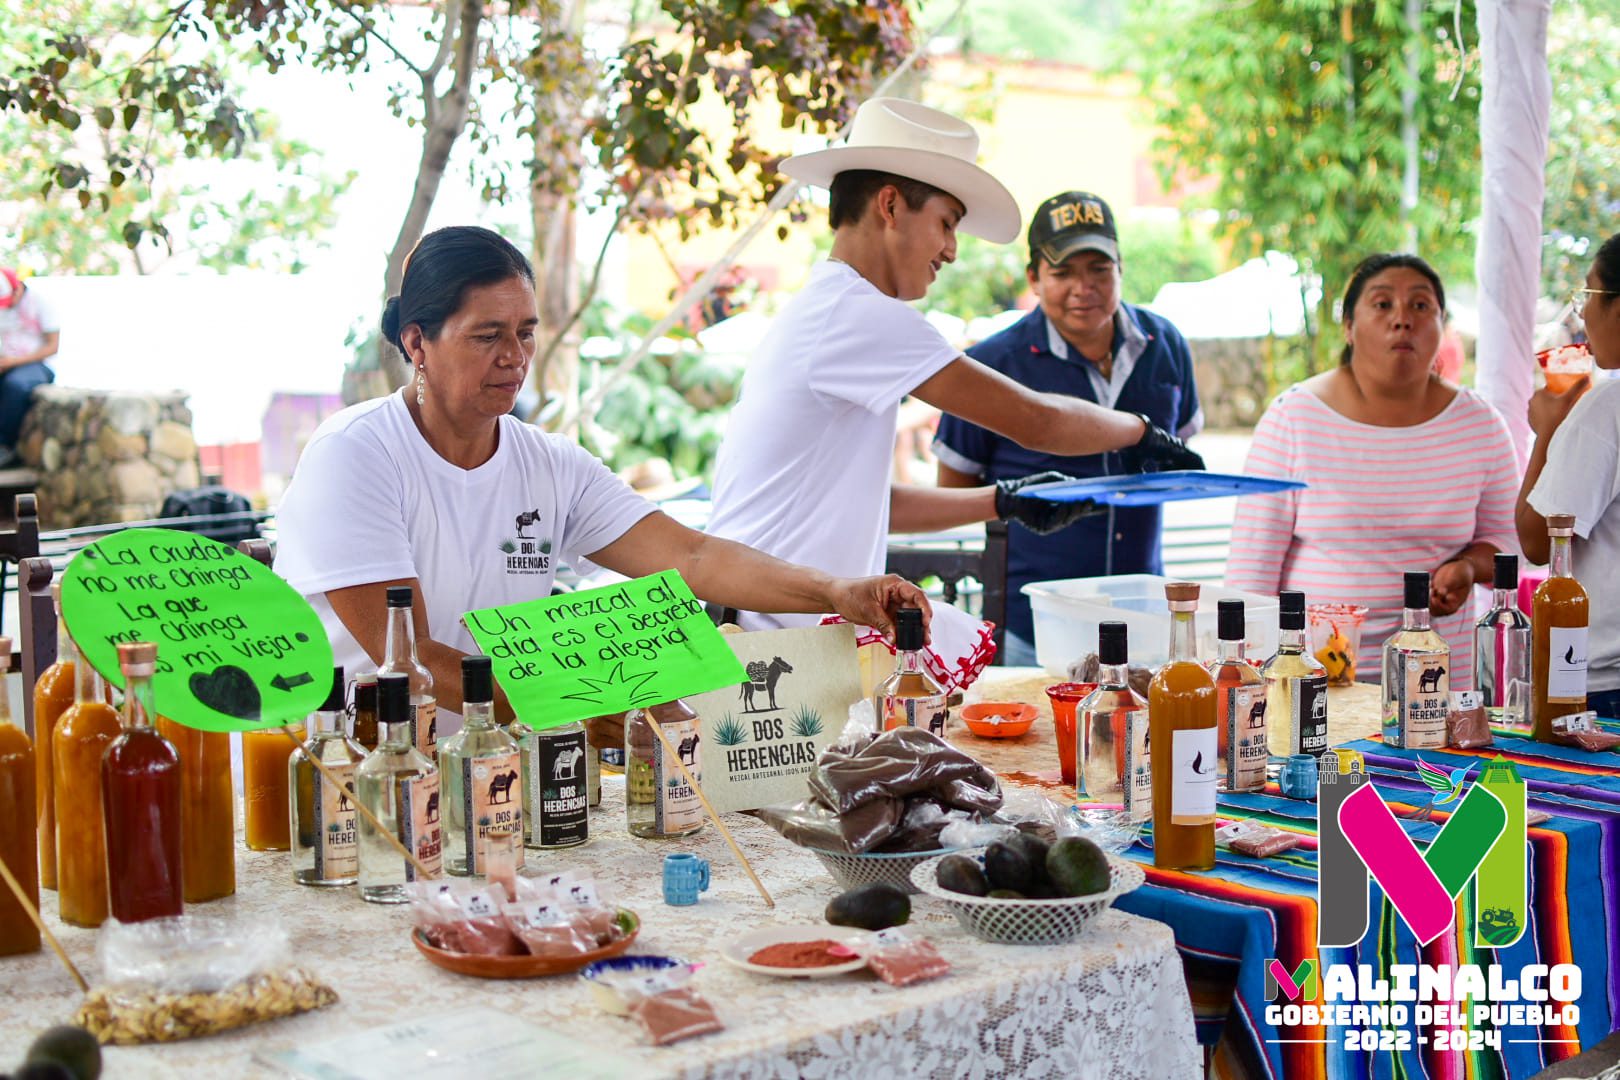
762	737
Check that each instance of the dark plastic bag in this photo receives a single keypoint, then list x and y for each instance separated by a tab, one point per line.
202	502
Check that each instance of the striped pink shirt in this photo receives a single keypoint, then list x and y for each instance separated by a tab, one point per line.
1381	501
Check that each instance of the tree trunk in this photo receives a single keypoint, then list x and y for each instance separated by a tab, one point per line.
445	117
556	272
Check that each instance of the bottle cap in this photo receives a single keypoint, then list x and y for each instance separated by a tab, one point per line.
477	679
365	691
399	596
908	629
1291	609
137	657
1506	571
393	699
1417	590
1560	524
56	594
1111	643
1183	595
1229	621
334	696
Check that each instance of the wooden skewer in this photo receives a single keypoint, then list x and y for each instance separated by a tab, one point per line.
360	807
33	913
669	749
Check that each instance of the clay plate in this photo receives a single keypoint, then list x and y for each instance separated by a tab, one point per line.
525	967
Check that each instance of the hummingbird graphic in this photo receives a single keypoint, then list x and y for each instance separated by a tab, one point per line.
1447	787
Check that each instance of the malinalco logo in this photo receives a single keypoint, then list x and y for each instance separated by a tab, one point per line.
1484	841
1301	984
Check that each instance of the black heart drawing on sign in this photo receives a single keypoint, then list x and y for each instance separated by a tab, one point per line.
227	689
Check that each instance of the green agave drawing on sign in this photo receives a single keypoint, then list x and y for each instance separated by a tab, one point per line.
807	723
730	731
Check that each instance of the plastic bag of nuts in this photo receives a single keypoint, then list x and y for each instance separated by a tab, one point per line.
181	978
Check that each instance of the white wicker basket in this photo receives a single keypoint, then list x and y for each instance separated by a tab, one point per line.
1026	922
853	871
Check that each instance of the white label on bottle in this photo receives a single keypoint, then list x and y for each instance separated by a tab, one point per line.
1246	752
1137	783
676	807
337	838
492	801
425	726
1566	665
1192	776
1309	732
1422	700
420	828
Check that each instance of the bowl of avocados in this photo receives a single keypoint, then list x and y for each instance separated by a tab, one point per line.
1025	891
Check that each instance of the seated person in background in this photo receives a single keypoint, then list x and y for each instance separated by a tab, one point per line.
1406	472
29	335
1575	469
439	488
1082	342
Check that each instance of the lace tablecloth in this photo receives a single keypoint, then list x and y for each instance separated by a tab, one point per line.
1113	1005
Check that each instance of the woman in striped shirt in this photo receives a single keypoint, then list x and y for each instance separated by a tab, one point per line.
1405	471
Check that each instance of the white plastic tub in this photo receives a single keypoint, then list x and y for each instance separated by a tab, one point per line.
1068	612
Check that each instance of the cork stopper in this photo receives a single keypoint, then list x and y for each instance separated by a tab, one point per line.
5	655
1560	524
1183	595
137	657
56	596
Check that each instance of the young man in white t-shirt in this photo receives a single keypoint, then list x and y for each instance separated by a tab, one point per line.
803	472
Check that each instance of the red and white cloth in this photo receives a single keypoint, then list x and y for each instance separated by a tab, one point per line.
959	645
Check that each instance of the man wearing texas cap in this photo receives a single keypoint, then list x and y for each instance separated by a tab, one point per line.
1084	342
803	471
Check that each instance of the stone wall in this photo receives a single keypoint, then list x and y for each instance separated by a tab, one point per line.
106	456
1232	380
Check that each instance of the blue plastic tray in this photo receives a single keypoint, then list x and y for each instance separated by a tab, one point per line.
1150	489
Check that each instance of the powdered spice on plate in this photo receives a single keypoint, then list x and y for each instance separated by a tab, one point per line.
800	954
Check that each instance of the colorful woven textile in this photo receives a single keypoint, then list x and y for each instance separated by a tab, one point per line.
1231	922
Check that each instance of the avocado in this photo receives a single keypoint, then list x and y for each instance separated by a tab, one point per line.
43	1069
870	907
1034	849
1008	868
1006	894
1078	867
73	1048
958	873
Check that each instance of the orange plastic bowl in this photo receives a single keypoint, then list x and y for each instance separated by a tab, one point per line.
1015	718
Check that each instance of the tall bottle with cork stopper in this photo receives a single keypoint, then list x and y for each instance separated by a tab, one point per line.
81	737
19	839
1240	704
910	697
140	779
324	829
1296	686
53	694
1181	716
1416	674
1559	618
399	658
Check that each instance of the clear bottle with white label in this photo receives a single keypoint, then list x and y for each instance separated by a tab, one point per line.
1502	649
400	786
480	772
1296	686
1240	704
325	828
1112	740
399	657
1416	674
1560	617
909	696
1183	735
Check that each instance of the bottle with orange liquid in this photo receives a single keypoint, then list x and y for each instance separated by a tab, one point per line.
265	754
53	693
1182	730
81	737
18	837
207	811
1559	618
140	783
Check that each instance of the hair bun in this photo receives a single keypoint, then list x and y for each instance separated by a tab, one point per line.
390	322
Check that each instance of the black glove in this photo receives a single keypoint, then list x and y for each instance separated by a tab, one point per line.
1158	449
1040	516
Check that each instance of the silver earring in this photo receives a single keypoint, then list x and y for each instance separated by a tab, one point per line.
421	388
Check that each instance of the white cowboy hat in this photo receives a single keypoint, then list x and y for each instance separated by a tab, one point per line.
911	140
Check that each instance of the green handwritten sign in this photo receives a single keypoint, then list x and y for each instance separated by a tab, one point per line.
583	654
238	648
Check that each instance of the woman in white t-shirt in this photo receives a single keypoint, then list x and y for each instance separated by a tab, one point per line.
439	487
1575	469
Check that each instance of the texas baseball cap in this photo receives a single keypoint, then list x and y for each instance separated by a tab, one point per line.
1070	222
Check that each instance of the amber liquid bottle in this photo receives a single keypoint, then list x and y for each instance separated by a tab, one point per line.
140	782
1183	741
364	728
1559	618
19	838
81	737
53	693
266	825
207	810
